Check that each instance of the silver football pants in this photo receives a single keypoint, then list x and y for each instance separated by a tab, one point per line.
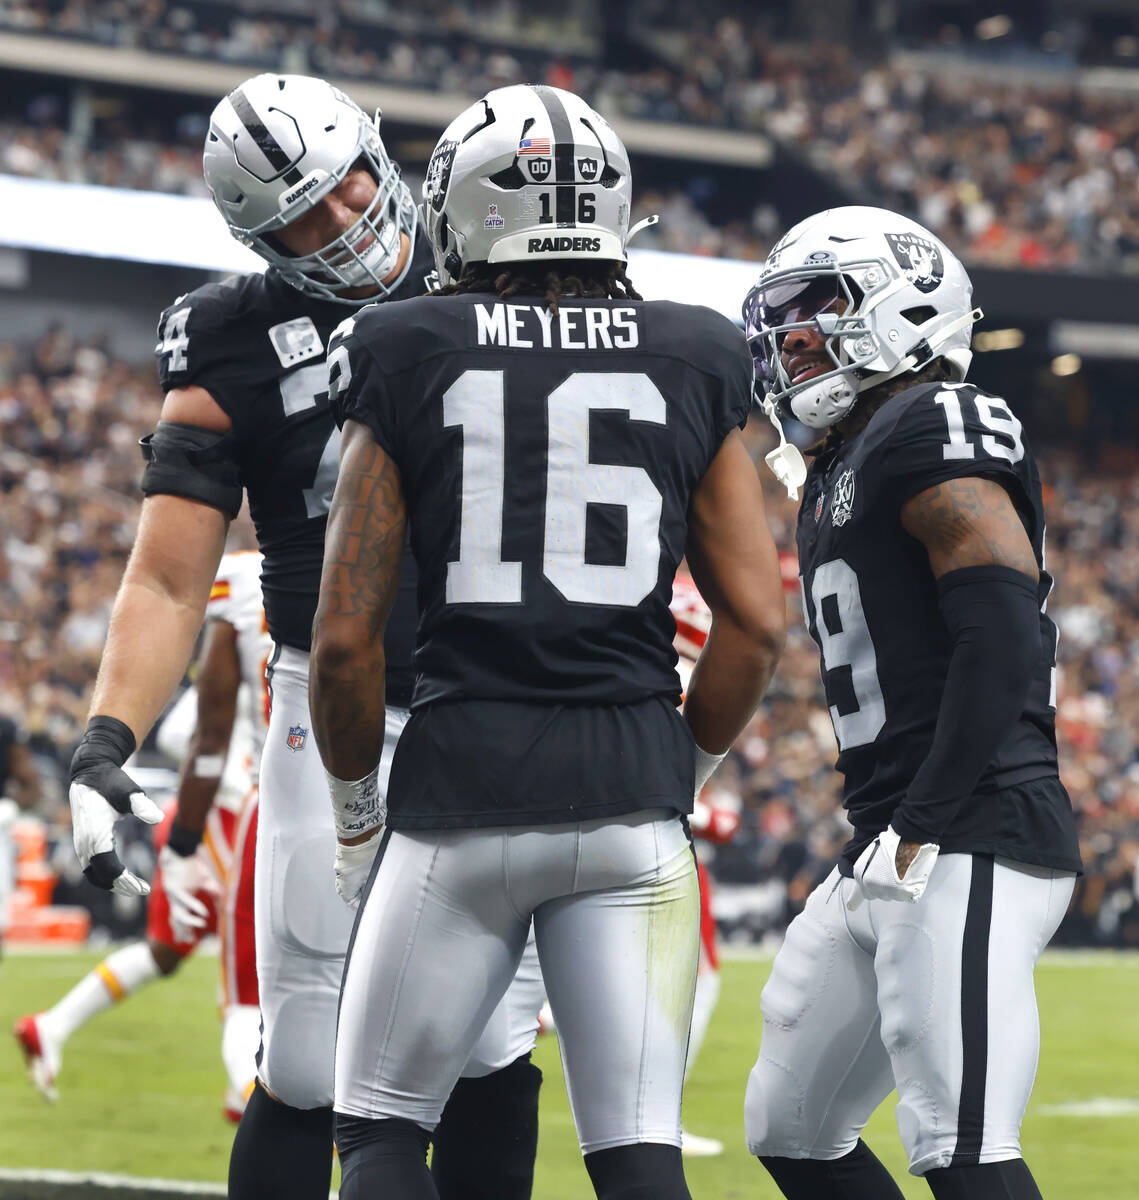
934	998
615	907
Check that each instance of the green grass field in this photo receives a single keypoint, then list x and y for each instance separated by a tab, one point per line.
141	1087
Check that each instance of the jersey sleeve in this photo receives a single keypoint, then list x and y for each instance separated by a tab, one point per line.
738	383
719	351
952	432
358	389
200	344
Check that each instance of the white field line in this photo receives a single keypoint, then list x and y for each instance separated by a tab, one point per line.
1094	1106
98	1181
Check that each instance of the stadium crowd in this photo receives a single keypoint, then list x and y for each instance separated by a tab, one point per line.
70	417
1040	175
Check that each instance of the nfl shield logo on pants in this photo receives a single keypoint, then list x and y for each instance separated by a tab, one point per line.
297	736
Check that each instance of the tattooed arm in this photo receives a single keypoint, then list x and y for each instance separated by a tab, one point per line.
358	585
969	522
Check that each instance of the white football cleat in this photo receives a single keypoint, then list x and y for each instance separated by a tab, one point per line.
692	1146
42	1053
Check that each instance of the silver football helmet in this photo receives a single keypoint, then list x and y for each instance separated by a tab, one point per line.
886	294
278	144
527	172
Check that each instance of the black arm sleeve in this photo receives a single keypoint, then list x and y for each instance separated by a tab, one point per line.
199	464
993	617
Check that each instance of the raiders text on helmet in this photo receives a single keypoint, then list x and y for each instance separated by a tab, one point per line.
905	301
528	172
276	146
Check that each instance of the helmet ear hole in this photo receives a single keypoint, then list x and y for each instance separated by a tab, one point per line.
920	314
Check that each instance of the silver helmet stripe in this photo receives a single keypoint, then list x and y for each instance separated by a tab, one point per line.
273	152
565	193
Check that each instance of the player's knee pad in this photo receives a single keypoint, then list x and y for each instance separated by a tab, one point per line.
774	1106
1007	1180
297	1049
487	1139
383	1157
643	1171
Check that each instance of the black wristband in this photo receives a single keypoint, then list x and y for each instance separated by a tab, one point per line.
183	841
106	739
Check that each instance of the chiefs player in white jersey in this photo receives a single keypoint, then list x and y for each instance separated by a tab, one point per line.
217	729
714	819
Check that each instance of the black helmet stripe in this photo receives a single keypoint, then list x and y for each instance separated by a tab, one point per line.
274	152
565	193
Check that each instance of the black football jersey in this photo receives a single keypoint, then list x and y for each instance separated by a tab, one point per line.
871	604
257	345
548	461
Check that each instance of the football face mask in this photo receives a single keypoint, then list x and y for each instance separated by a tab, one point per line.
366	253
821	298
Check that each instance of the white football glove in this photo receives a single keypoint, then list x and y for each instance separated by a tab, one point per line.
184	877
876	872
100	792
353	866
93	817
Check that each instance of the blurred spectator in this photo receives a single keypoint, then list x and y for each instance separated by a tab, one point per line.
1021	175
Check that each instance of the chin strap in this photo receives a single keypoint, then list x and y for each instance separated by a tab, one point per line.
644	223
923	352
786	461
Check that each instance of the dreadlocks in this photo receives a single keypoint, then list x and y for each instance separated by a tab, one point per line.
555	279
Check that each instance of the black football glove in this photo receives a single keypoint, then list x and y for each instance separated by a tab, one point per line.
100	792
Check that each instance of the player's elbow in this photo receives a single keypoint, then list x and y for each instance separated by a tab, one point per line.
342	651
760	630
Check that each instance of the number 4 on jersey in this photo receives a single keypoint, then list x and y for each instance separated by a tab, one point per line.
175	340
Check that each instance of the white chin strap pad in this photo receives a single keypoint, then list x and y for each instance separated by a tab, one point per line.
821	404
378	261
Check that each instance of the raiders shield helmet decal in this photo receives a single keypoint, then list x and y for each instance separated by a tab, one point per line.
919	259
439	173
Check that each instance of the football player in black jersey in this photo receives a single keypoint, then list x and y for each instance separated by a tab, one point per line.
921	552
301	176
556	445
